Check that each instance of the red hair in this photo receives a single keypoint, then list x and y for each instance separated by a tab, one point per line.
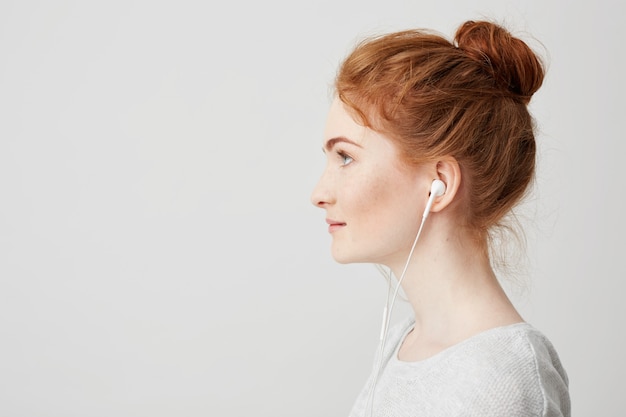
467	98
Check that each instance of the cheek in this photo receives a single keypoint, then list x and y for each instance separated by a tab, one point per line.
376	200
391	206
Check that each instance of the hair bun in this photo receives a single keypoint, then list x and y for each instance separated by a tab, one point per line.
510	61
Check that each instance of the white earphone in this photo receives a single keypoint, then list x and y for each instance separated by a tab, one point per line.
438	188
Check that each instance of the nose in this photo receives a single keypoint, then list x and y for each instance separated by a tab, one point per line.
321	196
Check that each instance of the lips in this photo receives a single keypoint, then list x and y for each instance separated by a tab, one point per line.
334	225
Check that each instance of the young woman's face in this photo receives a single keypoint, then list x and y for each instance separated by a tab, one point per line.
373	201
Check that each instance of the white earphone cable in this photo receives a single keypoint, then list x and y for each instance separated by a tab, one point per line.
388	310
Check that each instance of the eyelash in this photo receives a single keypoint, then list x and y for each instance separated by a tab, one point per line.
344	156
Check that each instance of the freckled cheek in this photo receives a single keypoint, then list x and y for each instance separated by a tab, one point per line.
370	201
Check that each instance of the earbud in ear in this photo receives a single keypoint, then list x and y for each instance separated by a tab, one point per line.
438	188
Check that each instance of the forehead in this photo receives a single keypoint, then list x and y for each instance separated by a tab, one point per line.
340	123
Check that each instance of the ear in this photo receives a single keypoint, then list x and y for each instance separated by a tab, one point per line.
448	171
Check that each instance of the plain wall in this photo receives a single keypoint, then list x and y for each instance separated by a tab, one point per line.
158	252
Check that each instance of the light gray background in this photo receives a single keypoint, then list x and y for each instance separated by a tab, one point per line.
158	252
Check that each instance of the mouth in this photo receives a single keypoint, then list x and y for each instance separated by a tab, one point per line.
334	225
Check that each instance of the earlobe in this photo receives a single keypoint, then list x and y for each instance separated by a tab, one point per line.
449	172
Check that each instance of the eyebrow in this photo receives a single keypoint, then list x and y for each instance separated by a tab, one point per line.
330	143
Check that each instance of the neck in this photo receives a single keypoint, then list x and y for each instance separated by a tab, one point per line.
452	289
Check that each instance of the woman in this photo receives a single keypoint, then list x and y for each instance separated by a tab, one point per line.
429	144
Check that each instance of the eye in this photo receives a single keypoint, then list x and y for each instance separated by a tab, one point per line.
345	158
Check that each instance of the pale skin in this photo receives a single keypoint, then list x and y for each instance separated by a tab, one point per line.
374	204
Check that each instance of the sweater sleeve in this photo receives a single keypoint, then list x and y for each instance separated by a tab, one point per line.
551	378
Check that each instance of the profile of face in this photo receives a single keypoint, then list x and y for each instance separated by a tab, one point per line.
373	200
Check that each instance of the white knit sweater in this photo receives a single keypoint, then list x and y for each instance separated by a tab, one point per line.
510	371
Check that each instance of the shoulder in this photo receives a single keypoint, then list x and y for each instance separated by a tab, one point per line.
511	371
515	370
518	351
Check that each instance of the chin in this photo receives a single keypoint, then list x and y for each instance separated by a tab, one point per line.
341	257
349	257
342	261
